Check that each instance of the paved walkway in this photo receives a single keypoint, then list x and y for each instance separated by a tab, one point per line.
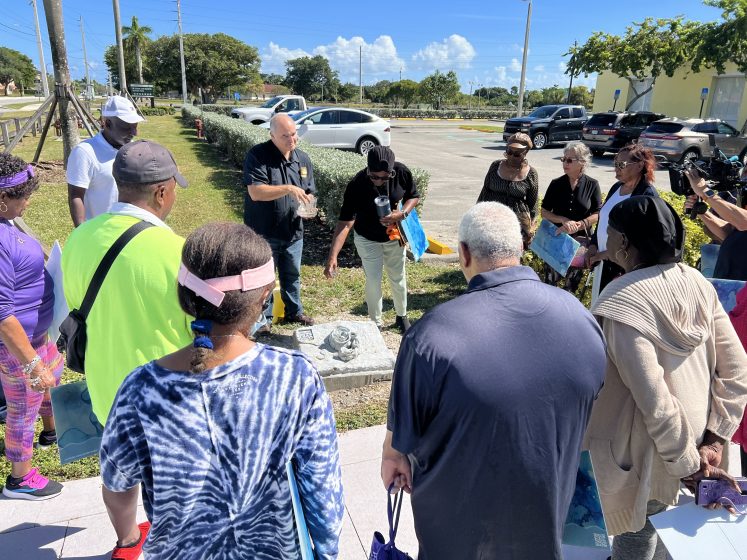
75	525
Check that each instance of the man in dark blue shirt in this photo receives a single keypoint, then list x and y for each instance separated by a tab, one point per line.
490	399
279	177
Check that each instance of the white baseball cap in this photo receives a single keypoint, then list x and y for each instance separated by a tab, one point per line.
122	108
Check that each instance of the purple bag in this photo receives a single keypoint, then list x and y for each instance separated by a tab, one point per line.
387	551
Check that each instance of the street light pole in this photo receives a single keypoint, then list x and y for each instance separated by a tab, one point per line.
520	104
42	66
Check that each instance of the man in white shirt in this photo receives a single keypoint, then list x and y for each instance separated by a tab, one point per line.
91	189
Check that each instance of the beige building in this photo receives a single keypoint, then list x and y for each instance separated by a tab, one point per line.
680	95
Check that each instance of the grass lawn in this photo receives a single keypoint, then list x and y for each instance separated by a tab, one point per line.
481	127
215	193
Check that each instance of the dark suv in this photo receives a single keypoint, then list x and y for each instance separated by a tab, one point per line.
608	132
549	123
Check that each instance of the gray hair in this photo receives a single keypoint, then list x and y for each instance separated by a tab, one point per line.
580	151
491	232
275	120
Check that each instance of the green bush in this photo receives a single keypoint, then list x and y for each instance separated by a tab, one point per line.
397	113
157	111
694	234
220	109
333	169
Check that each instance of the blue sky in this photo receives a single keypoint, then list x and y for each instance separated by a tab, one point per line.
481	40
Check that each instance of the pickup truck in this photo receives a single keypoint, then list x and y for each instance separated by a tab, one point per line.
549	123
290	104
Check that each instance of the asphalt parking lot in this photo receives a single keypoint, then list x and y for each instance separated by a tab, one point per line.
458	160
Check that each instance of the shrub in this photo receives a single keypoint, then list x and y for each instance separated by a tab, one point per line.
694	234
333	169
220	109
157	111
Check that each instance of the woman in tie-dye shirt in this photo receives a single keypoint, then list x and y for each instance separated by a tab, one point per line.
208	430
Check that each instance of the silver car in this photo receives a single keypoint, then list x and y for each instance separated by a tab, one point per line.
342	128
678	139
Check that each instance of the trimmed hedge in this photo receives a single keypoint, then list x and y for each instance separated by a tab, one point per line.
157	111
333	169
220	109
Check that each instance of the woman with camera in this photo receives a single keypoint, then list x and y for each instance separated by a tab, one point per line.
634	170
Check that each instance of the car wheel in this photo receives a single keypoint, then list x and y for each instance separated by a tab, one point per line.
258	122
597	153
365	145
539	140
690	155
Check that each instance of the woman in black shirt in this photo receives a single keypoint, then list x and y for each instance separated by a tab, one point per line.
572	203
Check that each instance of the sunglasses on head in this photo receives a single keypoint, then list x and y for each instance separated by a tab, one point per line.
515	153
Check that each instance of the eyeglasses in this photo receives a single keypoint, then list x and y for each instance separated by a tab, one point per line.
569	160
380	177
624	164
514	153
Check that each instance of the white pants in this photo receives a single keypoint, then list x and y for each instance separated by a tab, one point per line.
376	257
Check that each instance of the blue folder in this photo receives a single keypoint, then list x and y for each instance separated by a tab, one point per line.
78	430
727	291
304	538
584	525
556	250
415	235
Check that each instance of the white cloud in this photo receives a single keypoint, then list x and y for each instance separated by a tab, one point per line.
562	66
515	65
539	68
379	58
274	57
451	53
500	74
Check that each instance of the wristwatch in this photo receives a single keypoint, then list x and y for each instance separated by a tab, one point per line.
709	193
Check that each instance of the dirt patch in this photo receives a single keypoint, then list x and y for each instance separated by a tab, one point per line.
51	172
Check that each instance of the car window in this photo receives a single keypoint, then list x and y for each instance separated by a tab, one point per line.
578	112
664	127
564	113
706	128
350	117
724	128
629	120
602	119
292	105
324	117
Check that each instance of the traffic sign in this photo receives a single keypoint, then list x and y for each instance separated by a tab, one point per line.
704	93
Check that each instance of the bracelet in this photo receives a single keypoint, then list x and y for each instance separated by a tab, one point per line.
35	382
31	366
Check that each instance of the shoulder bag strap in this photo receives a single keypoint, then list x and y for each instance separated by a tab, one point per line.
106	263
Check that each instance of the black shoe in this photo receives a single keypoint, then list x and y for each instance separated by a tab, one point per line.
300	318
264	330
402	323
33	486
47	438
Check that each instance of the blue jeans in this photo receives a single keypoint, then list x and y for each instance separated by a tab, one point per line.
287	257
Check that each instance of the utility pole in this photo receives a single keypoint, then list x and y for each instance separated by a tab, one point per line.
42	65
120	50
108	83
520	104
55	26
181	51
88	95
360	71
400	73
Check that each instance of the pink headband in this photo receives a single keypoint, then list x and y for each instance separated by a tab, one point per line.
213	290
18	179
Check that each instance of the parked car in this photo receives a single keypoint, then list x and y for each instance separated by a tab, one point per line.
610	131
549	123
342	128
291	104
678	139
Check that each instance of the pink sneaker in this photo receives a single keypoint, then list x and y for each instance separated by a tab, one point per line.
33	486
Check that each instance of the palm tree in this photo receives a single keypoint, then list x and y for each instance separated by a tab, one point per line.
137	35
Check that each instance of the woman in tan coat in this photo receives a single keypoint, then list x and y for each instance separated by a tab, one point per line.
676	380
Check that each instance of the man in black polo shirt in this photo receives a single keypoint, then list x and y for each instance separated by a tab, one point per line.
278	178
384	177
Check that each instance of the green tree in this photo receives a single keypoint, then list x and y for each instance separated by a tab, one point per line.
136	38
347	92
16	67
647	50
306	75
724	41
377	92
554	94
112	63
581	95
213	63
404	92
439	88
533	98
274	79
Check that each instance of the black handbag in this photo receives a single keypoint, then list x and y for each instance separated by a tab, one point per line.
73	337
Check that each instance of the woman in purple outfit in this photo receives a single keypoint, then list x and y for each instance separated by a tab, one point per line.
29	362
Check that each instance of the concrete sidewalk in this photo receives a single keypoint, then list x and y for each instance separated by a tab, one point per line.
75	525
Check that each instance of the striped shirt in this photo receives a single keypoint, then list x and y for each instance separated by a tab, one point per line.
210	450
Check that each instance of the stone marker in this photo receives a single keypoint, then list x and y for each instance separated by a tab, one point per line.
374	360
